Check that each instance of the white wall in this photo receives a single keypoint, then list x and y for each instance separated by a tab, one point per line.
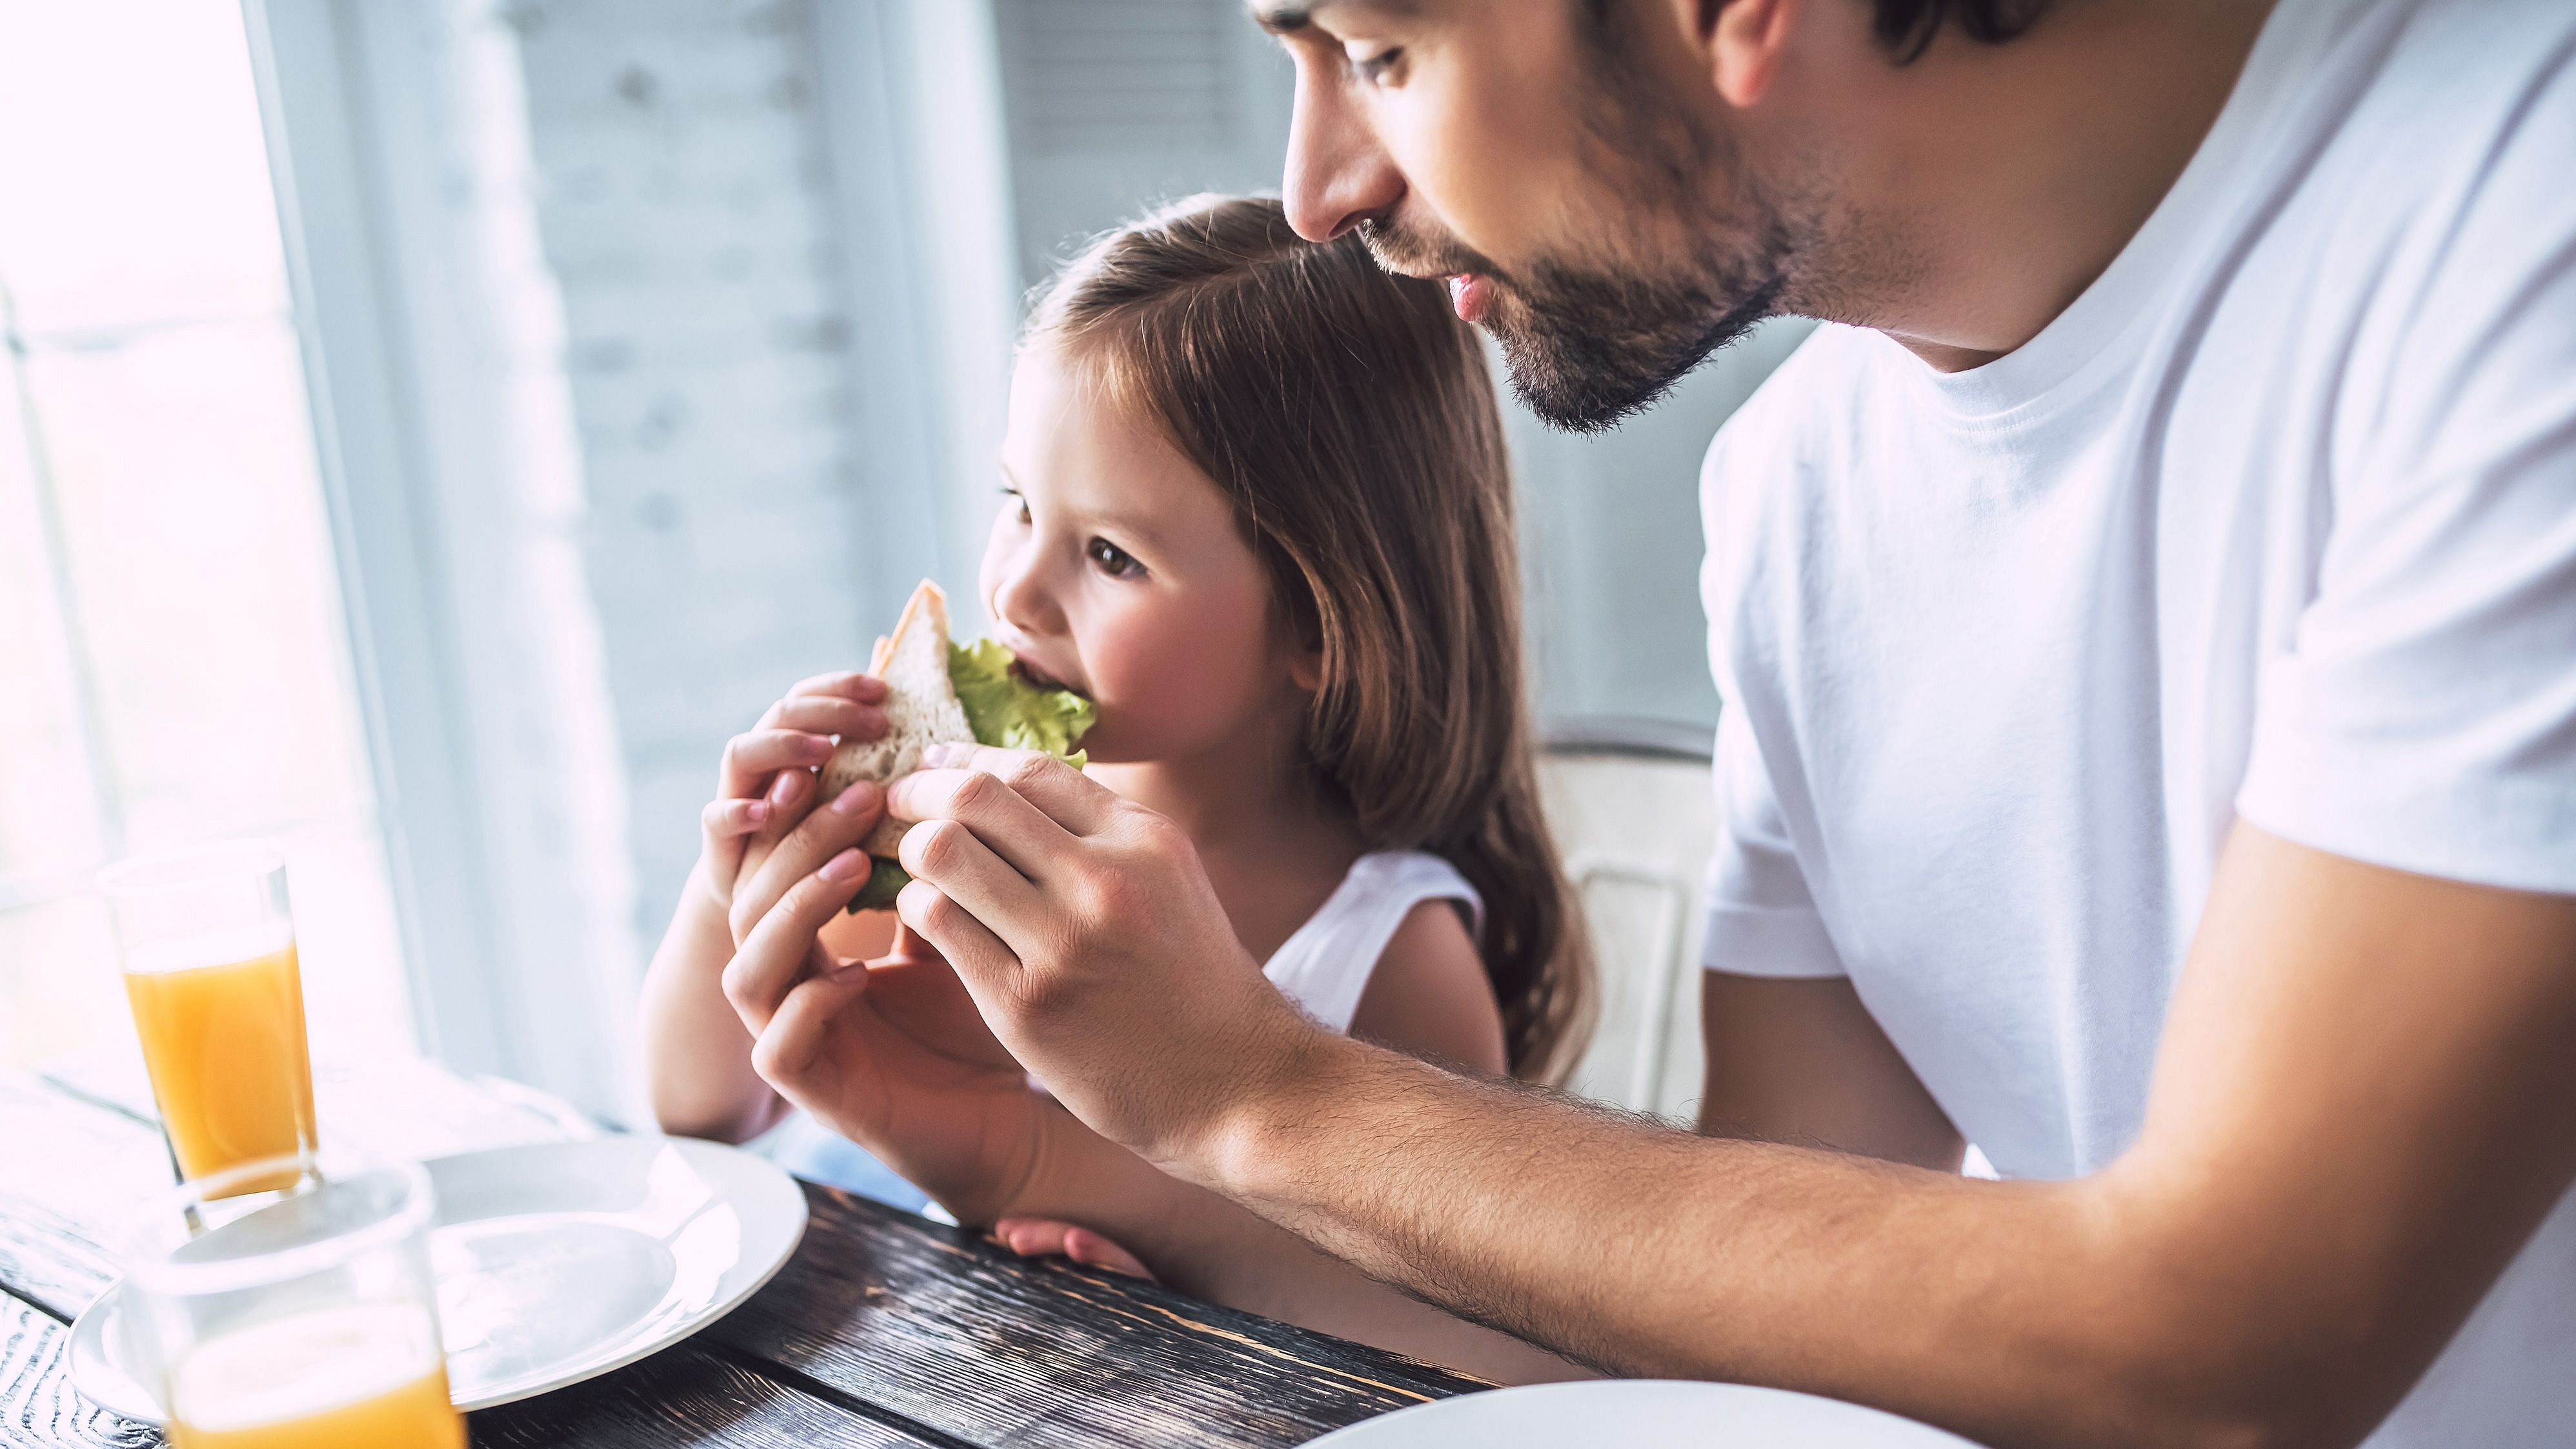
685	209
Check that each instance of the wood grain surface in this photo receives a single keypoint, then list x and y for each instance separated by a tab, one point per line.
696	1396
958	1334
50	1261
38	1406
885	1331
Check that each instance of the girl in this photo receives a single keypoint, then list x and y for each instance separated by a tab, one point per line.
1257	509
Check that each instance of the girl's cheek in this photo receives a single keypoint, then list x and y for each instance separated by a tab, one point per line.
1174	677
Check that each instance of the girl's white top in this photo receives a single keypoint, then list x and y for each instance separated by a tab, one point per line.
1326	965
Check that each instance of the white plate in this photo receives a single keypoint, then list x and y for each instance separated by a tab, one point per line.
556	1262
1639	1411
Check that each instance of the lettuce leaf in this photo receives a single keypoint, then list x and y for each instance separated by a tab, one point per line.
886	880
1002	709
1005	710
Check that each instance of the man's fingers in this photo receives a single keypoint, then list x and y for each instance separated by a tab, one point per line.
782	945
972	875
991	806
910	945
978	956
1064	794
752	757
786	1052
840	823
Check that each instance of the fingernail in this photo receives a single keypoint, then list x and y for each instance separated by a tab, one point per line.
940	757
855	799
847	868
814	747
757	812
785	790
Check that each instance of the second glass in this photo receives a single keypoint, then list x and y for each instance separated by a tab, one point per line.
208	946
296	1318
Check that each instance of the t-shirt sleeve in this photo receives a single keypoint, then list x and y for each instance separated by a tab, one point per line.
1761	919
2424	714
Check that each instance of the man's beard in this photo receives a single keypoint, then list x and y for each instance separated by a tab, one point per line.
1586	348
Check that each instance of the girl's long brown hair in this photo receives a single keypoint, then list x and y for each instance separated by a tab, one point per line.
1348	414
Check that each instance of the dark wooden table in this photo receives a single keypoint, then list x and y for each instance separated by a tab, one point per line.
884	1330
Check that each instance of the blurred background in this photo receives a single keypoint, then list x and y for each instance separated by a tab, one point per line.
431	427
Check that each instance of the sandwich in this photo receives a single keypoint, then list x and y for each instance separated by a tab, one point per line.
939	692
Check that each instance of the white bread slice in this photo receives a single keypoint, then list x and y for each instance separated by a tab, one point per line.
921	709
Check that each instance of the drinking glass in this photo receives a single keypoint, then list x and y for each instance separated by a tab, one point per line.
301	1316
208	946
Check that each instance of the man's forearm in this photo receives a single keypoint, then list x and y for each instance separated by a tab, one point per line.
1647	1251
1206	1246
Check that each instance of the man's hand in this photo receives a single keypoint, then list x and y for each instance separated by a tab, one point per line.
890	1053
1090	937
895	1056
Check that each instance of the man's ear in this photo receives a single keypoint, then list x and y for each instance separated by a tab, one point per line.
1740	42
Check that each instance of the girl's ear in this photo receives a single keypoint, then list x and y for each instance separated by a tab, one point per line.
1306	668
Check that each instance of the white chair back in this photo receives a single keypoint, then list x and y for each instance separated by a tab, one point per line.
1632	810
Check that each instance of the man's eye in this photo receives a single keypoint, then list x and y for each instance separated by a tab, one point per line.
1113	560
1376	67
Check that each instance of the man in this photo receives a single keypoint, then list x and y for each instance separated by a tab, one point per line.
2147	639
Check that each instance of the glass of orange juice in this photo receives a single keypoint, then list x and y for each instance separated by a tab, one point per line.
208	946
295	1316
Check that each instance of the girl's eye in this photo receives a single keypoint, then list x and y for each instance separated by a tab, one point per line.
1016	503
1113	560
1376	68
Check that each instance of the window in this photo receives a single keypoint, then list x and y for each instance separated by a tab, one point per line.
173	664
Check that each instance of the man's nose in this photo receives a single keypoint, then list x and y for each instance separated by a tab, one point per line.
1338	175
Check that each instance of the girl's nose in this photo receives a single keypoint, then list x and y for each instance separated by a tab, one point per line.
1021	599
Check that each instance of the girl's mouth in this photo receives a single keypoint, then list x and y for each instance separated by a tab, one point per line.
1031	674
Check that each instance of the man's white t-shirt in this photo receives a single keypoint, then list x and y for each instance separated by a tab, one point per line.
2277	522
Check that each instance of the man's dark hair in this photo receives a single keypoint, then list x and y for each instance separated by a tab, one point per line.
1906	27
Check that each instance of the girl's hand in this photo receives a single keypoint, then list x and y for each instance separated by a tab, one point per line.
699	1061
765	779
1045	1237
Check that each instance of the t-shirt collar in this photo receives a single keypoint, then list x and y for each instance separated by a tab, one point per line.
2094	338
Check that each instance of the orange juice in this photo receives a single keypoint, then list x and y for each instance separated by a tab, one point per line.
338	1378
225	1046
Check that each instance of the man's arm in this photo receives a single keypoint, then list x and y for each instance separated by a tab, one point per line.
1198	1242
2366	1102
1799	1059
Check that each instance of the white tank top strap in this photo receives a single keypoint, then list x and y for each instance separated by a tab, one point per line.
1326	965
